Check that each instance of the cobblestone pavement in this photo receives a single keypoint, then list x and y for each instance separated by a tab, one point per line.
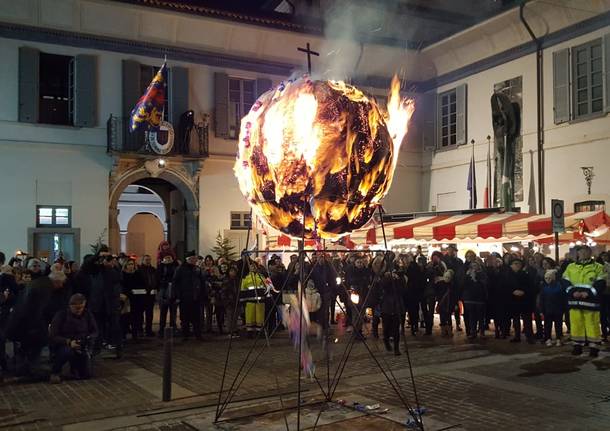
486	385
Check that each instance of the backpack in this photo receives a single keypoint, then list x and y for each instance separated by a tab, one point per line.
312	297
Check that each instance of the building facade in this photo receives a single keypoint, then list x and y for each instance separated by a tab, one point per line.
73	69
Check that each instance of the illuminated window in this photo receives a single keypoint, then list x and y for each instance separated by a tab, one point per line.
53	216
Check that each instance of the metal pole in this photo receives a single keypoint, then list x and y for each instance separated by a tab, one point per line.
557	248
168	341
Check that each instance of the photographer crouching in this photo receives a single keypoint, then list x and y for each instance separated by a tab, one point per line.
71	334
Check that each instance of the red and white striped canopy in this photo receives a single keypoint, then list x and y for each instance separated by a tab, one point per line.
479	227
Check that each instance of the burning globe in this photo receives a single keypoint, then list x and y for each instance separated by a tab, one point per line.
316	157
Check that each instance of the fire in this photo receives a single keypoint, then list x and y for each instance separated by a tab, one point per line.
318	156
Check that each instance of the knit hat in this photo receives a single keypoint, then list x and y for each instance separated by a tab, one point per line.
191	253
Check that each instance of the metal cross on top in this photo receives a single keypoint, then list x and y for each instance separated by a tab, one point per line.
309	53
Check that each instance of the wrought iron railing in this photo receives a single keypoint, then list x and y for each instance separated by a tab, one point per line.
121	140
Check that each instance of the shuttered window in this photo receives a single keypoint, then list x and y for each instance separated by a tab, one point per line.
451	118
448	119
581	81
587	79
57	89
233	99
240	220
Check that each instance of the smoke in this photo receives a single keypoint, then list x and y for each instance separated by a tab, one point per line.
349	25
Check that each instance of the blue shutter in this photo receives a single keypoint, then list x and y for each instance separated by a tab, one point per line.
561	86
429	114
85	91
131	85
461	111
29	81
221	105
606	45
178	93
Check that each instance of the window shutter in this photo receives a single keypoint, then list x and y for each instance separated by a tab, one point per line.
429	114
178	93
131	85
262	85
561	86
606	45
85	91
29	81
461	110
221	105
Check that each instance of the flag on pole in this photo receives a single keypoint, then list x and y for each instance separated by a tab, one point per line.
472	183
487	200
149	109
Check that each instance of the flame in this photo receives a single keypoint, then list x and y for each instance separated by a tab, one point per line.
399	113
317	156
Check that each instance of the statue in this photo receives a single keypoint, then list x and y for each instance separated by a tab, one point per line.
506	119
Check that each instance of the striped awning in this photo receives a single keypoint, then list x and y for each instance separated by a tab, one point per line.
479	227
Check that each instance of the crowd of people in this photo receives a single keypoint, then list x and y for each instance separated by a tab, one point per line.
78	311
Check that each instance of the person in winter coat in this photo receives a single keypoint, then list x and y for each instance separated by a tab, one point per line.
165	249
166	295
189	284
522	300
58	298
498	296
391	309
253	290
134	288
454	263
416	283
358	279
8	299
474	296
587	280
553	303
71	333
228	297
27	323
149	276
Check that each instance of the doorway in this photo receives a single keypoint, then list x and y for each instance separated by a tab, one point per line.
50	244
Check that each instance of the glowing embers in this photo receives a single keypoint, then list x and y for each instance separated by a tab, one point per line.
319	155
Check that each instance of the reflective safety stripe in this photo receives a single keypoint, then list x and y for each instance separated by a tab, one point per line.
138	291
584	303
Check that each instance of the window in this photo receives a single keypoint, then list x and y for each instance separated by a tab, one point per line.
240	220
53	216
448	119
242	94
587	79
55	89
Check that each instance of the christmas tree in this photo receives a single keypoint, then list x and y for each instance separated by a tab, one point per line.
224	248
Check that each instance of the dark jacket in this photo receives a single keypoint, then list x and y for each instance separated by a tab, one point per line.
149	276
359	280
133	285
416	283
104	296
520	281
67	326
27	321
58	300
553	299
474	290
7	283
189	283
392	287
165	276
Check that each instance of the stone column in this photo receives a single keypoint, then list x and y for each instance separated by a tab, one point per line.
114	232
192	230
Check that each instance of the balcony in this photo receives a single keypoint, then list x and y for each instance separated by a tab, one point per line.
121	141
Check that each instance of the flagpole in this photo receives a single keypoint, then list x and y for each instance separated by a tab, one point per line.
489	186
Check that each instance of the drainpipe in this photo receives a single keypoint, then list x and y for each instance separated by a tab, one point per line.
539	110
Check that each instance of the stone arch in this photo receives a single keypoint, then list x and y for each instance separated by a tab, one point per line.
179	178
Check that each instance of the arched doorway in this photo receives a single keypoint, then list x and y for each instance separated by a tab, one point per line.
144	233
175	185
